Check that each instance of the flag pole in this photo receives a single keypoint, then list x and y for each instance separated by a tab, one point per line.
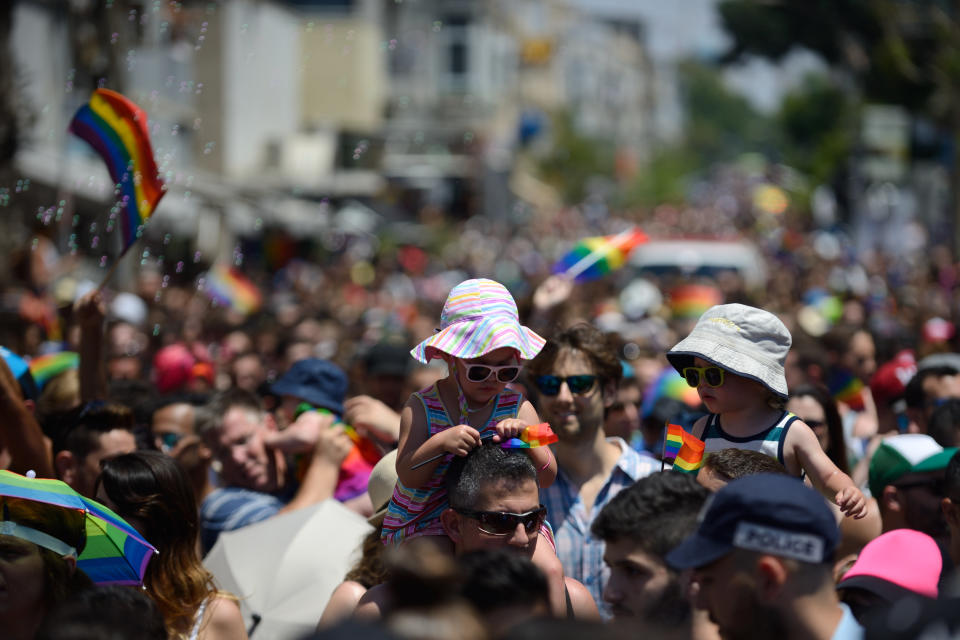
110	272
663	449
116	263
599	253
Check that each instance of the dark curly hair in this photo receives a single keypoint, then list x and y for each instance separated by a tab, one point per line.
487	463
589	341
657	512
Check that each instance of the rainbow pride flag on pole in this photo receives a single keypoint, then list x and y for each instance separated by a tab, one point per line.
673	442
593	258
689	455
230	288
117	129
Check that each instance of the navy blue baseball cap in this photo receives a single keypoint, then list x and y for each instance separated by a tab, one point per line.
319	382
767	513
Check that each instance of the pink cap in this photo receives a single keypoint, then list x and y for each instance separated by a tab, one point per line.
899	561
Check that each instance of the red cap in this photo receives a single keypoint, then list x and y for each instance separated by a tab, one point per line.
891	378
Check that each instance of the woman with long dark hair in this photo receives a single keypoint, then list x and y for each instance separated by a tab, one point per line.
814	405
153	493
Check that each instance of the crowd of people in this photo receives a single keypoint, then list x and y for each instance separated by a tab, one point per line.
828	402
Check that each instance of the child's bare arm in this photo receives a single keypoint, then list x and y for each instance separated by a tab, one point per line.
541	457
415	447
803	447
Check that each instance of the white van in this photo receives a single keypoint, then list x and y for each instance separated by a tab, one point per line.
700	257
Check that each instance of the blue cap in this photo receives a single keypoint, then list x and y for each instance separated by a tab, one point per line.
767	513
319	382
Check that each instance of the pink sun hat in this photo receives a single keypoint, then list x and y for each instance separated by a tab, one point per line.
896	563
478	317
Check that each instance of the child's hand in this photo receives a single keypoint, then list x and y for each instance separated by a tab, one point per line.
509	428
851	502
459	440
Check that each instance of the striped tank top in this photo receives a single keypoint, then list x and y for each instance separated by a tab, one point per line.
770	441
416	512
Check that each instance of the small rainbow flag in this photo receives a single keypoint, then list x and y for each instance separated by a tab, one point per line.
692	300
229	287
535	435
847	388
117	129
673	442
690	457
45	367
355	468
595	257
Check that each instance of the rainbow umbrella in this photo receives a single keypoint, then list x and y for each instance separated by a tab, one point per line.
114	554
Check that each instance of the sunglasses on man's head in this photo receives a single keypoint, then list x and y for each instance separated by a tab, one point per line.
481	372
711	376
578	385
502	523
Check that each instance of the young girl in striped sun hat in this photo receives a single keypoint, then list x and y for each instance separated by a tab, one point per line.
484	345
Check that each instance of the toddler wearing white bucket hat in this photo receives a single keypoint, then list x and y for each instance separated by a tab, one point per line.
735	358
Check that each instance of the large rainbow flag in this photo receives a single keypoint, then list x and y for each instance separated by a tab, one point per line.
595	257
117	129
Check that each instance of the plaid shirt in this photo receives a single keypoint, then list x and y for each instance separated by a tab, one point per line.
580	553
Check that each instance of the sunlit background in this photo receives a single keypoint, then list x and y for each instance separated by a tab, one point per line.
484	137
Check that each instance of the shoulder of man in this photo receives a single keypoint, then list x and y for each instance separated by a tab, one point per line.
230	508
633	463
583	605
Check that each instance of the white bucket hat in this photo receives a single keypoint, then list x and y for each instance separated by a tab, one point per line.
744	340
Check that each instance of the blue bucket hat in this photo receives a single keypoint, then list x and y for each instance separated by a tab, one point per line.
319	382
767	513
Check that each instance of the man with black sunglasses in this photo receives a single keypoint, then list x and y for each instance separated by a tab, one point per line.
494	504
576	376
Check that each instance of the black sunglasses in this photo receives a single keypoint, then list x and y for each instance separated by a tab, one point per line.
578	385
502	523
480	372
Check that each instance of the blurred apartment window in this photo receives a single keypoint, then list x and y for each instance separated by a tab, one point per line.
455	48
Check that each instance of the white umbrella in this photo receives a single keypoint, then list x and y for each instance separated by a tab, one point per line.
284	569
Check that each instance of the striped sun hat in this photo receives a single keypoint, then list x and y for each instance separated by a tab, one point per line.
479	316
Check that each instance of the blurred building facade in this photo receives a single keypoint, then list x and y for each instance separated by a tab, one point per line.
277	112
